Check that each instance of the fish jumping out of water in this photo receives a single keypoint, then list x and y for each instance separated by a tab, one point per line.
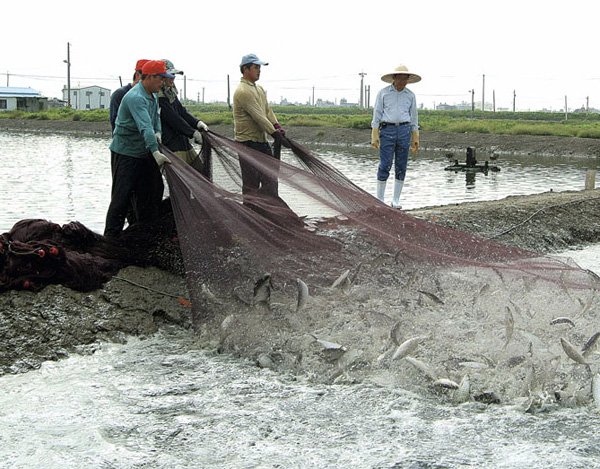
590	345
340	280
509	324
407	347
422	367
302	295
562	320
262	290
596	389
572	352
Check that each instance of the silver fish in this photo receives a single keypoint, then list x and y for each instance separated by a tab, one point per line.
572	352
463	393
431	296
328	345
407	347
302	295
445	383
341	279
346	285
509	323
422	367
395	331
262	290
596	389
590	344
562	320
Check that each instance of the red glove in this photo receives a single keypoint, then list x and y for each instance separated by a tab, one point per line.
278	127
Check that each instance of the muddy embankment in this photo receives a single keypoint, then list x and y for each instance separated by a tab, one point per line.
529	363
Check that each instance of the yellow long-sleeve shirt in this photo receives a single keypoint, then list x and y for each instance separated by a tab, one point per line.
253	118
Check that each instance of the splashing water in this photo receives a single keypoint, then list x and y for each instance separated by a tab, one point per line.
160	402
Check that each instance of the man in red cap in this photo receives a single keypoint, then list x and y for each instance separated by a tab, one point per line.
137	157
117	96
115	102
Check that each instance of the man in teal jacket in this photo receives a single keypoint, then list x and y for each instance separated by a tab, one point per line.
137	180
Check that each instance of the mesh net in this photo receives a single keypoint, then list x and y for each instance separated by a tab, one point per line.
307	220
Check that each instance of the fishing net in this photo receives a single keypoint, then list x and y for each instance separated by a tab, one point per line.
308	221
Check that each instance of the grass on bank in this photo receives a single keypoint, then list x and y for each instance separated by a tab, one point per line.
513	123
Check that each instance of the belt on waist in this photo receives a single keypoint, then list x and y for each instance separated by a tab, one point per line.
385	124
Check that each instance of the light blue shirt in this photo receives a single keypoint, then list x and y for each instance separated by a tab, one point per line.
395	107
137	123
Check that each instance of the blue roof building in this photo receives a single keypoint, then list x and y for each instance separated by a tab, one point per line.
13	98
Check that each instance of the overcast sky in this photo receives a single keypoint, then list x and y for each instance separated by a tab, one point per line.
542	51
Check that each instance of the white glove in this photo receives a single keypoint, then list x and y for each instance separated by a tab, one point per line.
202	126
160	158
197	137
158	137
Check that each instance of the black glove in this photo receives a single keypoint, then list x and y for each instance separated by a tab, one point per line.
279	137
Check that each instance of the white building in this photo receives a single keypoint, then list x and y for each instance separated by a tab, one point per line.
13	98
88	97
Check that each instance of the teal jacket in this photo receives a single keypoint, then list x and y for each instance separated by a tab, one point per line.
137	123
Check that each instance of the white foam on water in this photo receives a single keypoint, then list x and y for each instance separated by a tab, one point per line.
162	403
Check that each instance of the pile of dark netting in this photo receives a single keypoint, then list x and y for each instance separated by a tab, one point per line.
36	252
317	226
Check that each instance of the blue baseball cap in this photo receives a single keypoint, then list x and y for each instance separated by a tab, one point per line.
252	59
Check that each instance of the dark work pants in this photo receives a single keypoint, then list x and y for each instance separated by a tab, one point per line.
133	176
253	181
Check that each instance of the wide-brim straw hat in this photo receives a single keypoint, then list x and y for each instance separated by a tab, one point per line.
401	70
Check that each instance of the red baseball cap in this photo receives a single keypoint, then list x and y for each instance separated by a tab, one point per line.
156	67
140	63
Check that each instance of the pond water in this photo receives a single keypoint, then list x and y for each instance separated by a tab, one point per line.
65	177
160	402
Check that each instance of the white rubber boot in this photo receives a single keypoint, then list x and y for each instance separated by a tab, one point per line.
381	190
398	185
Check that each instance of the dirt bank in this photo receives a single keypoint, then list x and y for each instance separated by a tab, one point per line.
57	321
443	141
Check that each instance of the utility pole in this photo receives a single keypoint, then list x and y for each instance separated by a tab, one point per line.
483	95
313	96
184	88
587	103
514	99
228	94
362	77
368	91
68	62
494	99
472	103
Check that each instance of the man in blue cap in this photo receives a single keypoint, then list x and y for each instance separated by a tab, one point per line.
254	121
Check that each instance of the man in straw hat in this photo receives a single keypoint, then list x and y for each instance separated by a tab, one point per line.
395	128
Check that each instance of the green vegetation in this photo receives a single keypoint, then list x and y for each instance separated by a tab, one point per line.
513	123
